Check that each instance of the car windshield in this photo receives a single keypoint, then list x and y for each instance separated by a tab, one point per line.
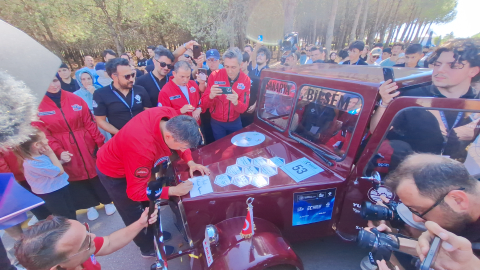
326	118
277	102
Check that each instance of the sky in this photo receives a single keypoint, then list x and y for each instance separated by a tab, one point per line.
466	23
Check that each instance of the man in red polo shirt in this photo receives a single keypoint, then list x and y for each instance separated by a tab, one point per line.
61	243
226	108
125	163
181	93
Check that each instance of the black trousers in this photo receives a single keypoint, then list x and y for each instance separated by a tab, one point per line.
129	210
4	261
60	203
88	193
206	127
247	118
41	212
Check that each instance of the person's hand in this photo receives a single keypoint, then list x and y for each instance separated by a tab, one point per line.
180	189
46	150
65	156
215	92
196	113
233	97
201	78
91	88
187	108
189	45
381	228
455	252
252	108
382	265
197	167
143	218
388	91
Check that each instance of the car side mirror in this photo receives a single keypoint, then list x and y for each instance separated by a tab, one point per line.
375	178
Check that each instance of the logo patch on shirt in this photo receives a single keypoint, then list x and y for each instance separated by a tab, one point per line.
241	86
175	97
219	83
138	98
142	172
159	104
76	107
46	113
192	89
93	259
94	104
161	160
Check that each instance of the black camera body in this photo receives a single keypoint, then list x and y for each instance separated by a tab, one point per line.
382	244
370	211
288	45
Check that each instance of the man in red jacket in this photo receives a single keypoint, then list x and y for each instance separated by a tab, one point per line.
181	93
226	108
125	163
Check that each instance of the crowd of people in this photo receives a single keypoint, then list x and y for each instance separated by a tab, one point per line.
102	132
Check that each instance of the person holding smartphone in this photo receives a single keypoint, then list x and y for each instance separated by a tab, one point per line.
226	108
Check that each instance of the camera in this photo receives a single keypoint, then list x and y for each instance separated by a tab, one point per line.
382	244
288	45
388	212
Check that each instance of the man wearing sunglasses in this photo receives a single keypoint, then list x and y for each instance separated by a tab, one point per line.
121	100
441	190
154	81
61	243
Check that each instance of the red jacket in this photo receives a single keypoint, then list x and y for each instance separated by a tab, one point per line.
9	163
136	149
172	96
220	107
71	128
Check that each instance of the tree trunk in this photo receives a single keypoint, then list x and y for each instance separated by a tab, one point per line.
398	32
387	22
378	20
409	39
392	24
355	22
415	39
361	35
331	25
407	29
289	7
114	30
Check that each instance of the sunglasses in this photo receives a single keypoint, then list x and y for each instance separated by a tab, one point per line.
128	76
375	56
421	215
163	64
89	242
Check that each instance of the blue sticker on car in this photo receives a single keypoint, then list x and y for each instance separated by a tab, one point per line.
313	206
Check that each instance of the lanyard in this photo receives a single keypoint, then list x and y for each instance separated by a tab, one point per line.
129	107
155	81
258	72
444	120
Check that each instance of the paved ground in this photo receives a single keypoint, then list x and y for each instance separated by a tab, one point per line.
327	253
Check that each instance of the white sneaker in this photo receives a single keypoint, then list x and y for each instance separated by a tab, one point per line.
32	221
110	209
92	213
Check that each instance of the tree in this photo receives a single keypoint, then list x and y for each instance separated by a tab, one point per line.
331	25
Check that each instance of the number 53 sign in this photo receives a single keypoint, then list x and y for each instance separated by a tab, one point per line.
301	169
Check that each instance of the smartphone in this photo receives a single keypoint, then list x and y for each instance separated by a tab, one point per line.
432	254
202	70
197	51
226	90
388	74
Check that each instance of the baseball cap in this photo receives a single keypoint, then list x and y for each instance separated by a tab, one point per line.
376	51
406	215
63	65
100	66
213	53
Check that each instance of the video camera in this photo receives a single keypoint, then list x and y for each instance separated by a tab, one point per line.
288	45
388	212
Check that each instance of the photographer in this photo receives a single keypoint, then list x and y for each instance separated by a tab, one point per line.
440	190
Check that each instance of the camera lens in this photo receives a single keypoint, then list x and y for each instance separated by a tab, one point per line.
366	239
371	211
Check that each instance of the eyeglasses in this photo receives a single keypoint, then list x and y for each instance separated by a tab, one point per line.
128	76
89	242
433	206
163	64
453	65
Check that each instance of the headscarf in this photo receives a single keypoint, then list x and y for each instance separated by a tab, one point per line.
83	92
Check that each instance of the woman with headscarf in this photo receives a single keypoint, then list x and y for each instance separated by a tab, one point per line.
85	80
74	137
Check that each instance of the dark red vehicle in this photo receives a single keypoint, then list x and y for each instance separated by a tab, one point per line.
308	160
